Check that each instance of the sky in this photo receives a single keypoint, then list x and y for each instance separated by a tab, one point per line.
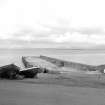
52	23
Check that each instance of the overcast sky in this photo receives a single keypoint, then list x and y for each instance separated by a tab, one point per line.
52	23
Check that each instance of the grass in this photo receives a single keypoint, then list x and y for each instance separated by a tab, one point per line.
53	89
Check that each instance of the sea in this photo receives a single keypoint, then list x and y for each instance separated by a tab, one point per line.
87	56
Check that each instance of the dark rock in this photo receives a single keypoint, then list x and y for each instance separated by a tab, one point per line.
9	71
29	72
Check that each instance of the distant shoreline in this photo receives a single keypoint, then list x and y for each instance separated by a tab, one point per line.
49	49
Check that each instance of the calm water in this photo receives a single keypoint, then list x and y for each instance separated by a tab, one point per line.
94	57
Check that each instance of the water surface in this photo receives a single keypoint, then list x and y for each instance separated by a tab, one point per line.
93	57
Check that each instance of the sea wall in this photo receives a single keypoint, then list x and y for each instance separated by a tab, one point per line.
75	65
60	63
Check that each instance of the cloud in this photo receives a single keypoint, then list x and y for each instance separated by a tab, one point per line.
64	33
77	37
30	38
90	31
66	22
57	36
